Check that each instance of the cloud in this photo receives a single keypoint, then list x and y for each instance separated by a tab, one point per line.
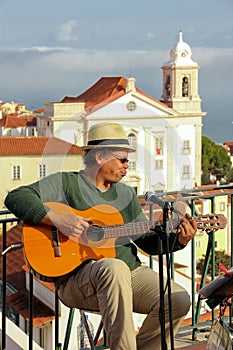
44	74
191	29
65	32
150	35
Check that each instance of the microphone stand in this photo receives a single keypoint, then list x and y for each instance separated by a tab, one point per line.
164	247
166	209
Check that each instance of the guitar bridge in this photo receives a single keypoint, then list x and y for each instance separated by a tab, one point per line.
55	242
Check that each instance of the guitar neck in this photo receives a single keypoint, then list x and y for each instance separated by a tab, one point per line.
130	229
209	222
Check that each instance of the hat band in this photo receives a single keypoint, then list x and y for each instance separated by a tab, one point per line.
108	142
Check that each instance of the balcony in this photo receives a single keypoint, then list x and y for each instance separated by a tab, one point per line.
33	318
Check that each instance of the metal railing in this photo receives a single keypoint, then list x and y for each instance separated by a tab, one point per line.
208	194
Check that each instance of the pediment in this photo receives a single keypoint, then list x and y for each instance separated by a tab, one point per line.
132	105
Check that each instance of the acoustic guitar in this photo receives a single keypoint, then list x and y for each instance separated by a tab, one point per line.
51	254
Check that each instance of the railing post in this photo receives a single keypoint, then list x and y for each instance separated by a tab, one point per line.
30	309
209	249
193	264
68	328
4	287
231	218
172	269
213	251
151	218
231	229
57	344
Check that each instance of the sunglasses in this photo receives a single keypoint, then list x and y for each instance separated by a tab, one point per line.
122	160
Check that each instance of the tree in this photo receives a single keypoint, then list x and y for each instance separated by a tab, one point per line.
216	163
220	257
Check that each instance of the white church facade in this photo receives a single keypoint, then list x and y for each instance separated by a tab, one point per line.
166	132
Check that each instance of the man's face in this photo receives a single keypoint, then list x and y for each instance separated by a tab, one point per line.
114	166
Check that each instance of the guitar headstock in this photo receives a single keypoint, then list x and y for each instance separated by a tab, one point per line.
211	222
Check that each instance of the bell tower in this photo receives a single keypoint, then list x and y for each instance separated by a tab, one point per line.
180	79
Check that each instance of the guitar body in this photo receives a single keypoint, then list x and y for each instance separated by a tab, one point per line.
39	250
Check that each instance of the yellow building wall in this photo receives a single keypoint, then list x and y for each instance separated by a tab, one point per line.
30	169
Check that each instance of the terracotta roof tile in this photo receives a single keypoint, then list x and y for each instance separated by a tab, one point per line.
100	91
229	144
40	110
13	121
42	314
32	145
204	189
104	91
14	259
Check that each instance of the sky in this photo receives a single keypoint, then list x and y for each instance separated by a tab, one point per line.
51	48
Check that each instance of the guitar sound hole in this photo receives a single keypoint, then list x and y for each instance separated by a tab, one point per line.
95	233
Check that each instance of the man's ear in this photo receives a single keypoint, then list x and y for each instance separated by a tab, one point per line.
99	157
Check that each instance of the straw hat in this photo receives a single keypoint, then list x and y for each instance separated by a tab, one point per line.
107	135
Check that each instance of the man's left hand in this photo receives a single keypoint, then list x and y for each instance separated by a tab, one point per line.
186	230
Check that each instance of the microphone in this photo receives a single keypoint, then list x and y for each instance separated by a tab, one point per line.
151	197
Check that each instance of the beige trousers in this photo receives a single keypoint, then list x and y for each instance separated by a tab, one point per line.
109	286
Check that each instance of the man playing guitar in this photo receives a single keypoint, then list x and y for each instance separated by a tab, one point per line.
113	281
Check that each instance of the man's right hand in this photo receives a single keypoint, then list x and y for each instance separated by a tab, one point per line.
70	225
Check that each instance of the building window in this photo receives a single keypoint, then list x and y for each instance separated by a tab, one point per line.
42	170
158	145
159	164
222	206
215	244
168	86
186	149
132	138
10	313
42	337
198	244
16	172
185	87
186	172
131	106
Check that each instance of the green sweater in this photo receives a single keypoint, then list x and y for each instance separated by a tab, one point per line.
75	190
